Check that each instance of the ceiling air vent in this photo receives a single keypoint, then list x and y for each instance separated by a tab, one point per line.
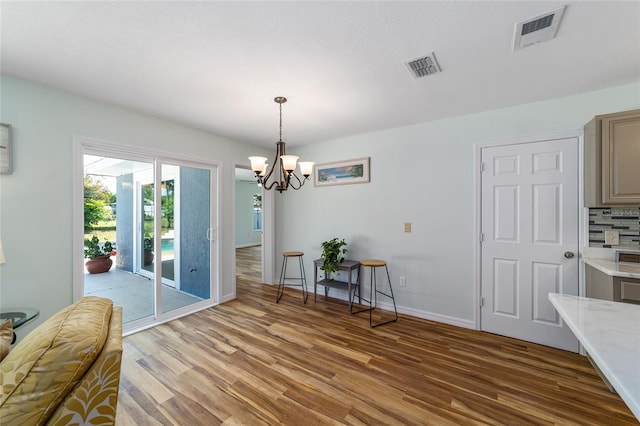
424	66
537	29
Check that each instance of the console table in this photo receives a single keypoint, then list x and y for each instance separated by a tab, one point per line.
348	266
18	317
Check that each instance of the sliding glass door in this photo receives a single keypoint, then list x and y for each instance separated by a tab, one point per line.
186	246
159	215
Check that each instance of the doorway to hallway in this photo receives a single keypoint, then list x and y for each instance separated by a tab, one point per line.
249	224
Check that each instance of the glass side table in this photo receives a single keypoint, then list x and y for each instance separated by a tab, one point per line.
18	317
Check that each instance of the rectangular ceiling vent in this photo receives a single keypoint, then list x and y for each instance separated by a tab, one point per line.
424	66
537	29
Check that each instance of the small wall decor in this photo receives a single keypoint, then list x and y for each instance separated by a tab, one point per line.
342	172
5	149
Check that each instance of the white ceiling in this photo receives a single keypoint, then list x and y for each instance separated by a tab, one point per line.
218	65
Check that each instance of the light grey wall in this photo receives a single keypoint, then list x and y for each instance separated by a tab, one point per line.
36	200
245	235
423	174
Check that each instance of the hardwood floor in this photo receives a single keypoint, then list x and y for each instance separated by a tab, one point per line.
249	265
252	362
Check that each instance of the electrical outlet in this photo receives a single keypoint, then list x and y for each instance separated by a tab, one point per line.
612	237
403	281
407	227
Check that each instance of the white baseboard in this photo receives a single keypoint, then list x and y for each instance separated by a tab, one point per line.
418	313
446	319
228	298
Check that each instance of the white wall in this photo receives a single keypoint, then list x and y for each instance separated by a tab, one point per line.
245	235
36	200
423	174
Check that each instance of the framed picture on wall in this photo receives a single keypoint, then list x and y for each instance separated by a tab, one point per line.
5	149
341	172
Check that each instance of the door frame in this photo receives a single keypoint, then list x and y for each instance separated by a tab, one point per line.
477	225
82	145
138	239
268	235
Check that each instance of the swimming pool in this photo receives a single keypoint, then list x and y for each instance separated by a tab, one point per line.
167	247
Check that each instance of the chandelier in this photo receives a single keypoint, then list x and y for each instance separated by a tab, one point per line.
281	175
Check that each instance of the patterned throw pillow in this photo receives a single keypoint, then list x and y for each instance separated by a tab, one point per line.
6	336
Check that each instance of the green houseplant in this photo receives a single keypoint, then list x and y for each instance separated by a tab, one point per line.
333	252
98	255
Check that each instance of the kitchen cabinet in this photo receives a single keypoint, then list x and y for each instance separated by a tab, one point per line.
614	288
612	160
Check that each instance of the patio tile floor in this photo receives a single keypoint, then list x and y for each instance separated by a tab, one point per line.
134	293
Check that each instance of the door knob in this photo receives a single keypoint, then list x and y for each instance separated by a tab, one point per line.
569	254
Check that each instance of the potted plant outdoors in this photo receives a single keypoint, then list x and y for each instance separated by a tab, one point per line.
148	251
333	252
99	255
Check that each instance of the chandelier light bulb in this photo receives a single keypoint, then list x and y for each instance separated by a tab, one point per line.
258	164
289	162
306	168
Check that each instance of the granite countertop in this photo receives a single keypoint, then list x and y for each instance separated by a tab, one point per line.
610	333
615	269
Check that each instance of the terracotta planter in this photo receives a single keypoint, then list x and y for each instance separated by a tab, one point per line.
99	264
148	257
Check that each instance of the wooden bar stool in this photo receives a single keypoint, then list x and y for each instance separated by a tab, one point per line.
373	291
283	275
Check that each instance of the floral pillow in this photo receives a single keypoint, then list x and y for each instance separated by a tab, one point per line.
6	336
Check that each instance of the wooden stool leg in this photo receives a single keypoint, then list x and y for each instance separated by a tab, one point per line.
303	280
373	294
393	299
360	298
281	283
283	277
395	310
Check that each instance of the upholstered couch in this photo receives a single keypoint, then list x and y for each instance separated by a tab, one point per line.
67	370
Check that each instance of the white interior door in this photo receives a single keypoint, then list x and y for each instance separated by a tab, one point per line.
529	239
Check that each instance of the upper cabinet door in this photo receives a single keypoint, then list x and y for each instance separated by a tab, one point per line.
621	159
612	160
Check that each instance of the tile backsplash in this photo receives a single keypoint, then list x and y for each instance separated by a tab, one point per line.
624	220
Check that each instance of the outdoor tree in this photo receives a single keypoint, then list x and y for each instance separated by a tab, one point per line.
96	198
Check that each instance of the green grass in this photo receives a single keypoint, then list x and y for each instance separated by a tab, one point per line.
105	231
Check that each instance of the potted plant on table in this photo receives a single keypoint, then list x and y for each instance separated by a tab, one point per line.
99	255
333	252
